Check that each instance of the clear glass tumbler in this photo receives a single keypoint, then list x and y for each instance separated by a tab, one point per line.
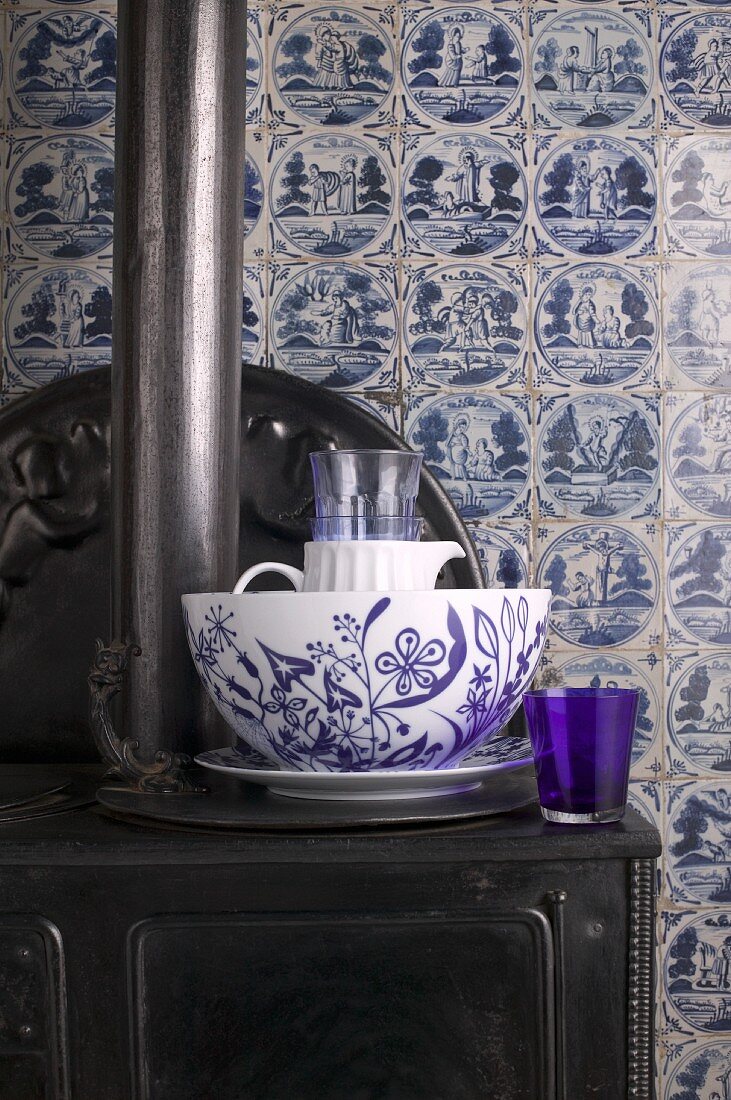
582	743
365	483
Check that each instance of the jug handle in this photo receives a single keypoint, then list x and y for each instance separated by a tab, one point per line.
295	576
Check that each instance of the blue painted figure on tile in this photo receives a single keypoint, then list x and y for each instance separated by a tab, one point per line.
698	324
331	195
333	66
253	195
464	195
465	326
595	196
698	950
704	1073
591	69
58	323
604	583
334	324
599	455
699	711
61	196
610	670
699	455
597	324
502	557
462	67
695	67
698	196
64	70
699	585
479	447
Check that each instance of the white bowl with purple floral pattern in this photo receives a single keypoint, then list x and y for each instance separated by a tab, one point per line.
353	681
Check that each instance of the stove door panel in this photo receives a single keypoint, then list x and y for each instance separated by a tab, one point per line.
328	1007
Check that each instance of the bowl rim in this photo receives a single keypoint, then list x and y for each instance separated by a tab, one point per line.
442	593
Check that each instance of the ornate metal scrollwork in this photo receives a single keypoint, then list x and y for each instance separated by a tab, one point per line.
166	773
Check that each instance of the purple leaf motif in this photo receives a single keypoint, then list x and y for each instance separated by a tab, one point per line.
486	634
337	696
286	669
507	619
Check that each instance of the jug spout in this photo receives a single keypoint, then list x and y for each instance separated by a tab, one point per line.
435	555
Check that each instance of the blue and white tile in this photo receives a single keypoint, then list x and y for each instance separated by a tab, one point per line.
596	325
504	553
605	582
465	326
463	196
254	314
697	456
698	585
478	446
256	65
332	195
628	669
60	196
333	66
595	196
62	69
256	185
697	325
699	1070
386	408
598	456
694	59
698	843
463	67
698	718
336	324
646	796
57	323
696	196
591	68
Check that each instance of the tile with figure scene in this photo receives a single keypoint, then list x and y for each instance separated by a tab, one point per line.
255	309
596	325
698	844
478	445
465	325
598	455
592	68
256	65
504	553
58	322
63	69
698	584
695	70
703	1072
640	670
698	717
463	66
256	182
331	195
60	196
697	456
605	583
596	196
696	196
336	324
332	66
463	195
697	325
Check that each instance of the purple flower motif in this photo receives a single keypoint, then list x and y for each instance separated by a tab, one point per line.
412	661
220	627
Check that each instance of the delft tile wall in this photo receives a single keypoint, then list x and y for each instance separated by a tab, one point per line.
505	228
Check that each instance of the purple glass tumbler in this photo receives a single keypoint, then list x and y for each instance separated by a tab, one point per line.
582	743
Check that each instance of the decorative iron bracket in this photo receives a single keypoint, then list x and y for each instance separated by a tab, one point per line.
166	774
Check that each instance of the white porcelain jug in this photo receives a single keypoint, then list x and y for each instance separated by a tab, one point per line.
377	566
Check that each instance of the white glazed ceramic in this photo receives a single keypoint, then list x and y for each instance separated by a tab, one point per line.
358	681
504	754
378	566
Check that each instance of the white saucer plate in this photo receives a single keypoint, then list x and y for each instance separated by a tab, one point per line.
502	755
